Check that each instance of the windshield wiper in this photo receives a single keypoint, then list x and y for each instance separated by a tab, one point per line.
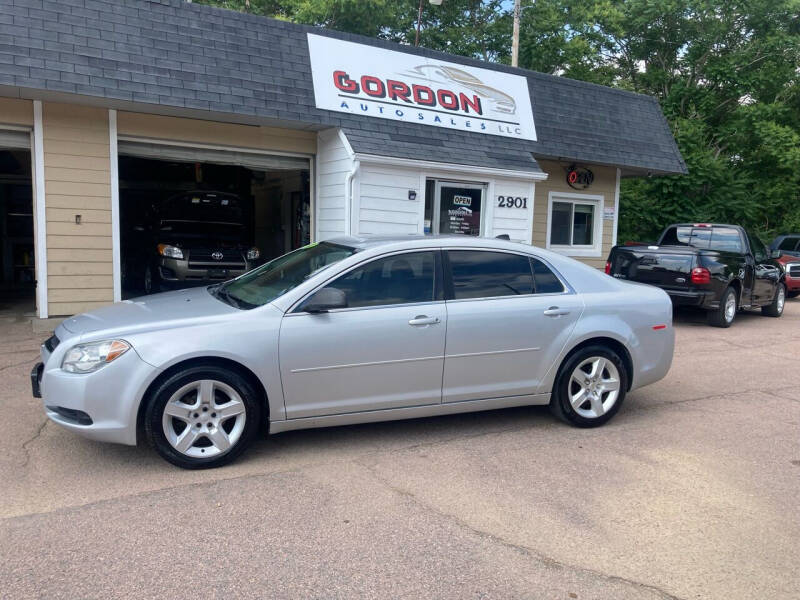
223	294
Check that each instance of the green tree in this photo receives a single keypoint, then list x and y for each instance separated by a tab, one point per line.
725	72
726	75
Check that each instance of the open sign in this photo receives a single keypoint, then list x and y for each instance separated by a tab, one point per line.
579	178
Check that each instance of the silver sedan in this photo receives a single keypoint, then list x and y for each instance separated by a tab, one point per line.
354	330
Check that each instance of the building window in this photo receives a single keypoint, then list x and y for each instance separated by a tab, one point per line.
575	224
454	207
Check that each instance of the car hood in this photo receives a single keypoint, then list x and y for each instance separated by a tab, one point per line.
159	311
785	259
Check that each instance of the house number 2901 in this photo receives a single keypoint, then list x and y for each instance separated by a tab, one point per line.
512	202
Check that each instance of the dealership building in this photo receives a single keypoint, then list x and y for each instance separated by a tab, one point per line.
109	109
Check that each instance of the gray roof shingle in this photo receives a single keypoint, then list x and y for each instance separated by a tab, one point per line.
178	55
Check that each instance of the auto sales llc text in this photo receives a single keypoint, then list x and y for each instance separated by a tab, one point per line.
430	118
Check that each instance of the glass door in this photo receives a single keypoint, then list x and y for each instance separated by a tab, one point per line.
457	208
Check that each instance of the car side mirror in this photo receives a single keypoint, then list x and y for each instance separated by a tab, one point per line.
328	298
775	253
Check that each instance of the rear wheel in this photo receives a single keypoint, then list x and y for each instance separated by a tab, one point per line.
775	309
150	281
590	387
203	417
725	314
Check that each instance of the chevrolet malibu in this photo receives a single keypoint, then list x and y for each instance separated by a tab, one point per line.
354	330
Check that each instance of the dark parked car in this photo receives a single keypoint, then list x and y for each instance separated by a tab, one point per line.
193	238
789	246
720	268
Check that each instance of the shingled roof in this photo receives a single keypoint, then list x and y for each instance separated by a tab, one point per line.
174	57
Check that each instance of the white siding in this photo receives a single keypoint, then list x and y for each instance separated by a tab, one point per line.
334	162
517	223
382	204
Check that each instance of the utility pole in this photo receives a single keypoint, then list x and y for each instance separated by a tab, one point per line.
515	41
419	21
419	17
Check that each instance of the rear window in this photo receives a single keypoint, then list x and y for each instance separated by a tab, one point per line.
722	239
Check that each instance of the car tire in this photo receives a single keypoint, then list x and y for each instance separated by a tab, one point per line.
150	281
793	294
775	308
203	417
590	371
724	315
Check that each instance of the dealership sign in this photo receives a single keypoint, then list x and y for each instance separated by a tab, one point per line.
358	79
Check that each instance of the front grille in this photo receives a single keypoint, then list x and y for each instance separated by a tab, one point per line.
51	343
794	270
204	259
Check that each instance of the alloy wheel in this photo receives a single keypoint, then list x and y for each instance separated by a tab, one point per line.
730	307
594	387
204	418
781	300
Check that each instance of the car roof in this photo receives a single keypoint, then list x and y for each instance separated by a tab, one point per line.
364	242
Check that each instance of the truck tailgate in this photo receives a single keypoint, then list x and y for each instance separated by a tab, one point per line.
669	268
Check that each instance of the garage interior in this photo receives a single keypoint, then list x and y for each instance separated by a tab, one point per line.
273	192
17	271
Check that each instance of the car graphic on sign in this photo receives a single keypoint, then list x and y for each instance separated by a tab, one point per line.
501	101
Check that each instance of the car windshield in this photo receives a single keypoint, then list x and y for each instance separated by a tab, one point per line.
275	278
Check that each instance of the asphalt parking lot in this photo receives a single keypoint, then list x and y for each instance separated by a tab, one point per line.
690	492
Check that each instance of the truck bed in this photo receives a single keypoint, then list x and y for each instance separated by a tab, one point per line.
668	267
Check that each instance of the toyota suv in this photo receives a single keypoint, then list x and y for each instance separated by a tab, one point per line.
193	238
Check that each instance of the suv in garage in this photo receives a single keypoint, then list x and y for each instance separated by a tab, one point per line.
193	238
789	246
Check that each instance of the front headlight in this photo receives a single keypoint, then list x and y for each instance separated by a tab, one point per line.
86	358
253	254
170	251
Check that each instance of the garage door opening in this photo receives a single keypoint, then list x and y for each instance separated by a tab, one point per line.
17	265
192	217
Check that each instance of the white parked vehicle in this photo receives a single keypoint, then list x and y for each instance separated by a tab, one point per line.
355	330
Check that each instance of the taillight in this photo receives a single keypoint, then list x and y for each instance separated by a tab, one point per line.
701	275
608	267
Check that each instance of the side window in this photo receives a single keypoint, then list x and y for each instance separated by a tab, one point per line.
759	251
396	279
545	280
789	243
482	274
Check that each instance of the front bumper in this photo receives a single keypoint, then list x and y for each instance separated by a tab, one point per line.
36	380
792	283
103	405
181	273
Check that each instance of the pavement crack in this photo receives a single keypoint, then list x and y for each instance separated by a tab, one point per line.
19	363
516	547
30	440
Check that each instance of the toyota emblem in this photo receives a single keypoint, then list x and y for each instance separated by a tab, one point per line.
217	255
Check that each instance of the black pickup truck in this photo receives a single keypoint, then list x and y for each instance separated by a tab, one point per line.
720	268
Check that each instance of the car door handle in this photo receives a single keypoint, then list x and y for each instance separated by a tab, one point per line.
422	320
554	311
